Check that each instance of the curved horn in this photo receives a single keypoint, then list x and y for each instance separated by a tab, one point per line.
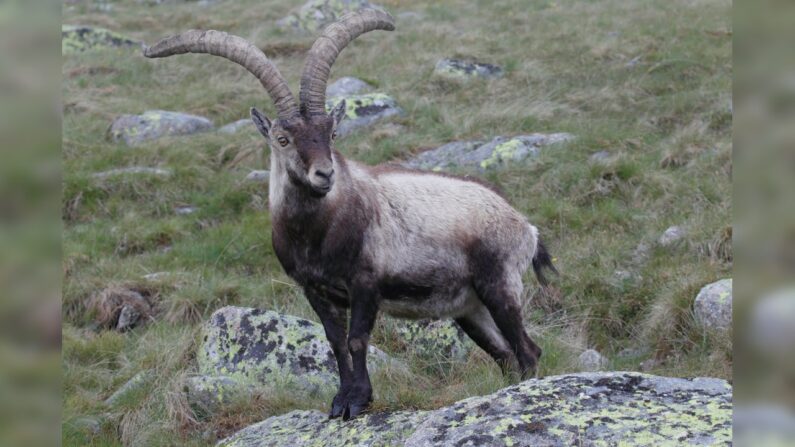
326	48
237	50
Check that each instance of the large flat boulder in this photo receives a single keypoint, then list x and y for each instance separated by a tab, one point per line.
617	408
135	130
484	155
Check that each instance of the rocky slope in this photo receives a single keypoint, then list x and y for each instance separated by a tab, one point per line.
580	409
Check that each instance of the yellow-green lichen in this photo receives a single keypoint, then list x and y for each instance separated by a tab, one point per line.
76	39
502	152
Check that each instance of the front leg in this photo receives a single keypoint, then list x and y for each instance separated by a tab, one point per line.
334	319
364	309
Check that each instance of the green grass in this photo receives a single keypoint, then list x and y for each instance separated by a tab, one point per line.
664	120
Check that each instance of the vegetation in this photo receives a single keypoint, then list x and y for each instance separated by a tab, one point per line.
647	82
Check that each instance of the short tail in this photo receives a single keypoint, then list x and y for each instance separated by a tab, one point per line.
542	260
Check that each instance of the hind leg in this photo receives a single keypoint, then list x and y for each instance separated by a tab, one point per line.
480	327
500	292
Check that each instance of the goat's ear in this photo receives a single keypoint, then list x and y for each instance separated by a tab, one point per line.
338	112
262	122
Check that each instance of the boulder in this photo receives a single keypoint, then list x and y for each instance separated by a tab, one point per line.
237	126
76	39
464	70
437	339
346	86
713	306
615	408
591	360
261	347
314	15
363	110
150	125
481	155
206	394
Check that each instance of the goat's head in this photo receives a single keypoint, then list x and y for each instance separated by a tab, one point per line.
301	135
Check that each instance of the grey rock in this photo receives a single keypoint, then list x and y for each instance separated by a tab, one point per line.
591	360
153	124
262	347
133	386
615	408
133	170
316	14
89	424
598	157
207	394
672	236
363	110
237	126
713	306
258	176
459	69
346	86
128	318
77	39
629	353
480	155
185	210
436	339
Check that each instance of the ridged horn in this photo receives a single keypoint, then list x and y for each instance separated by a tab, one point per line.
326	49
237	50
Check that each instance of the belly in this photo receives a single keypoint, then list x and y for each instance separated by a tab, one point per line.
435	304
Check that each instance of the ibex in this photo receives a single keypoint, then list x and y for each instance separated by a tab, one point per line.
413	244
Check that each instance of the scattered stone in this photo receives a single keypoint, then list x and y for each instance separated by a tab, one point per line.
631	353
463	70
89	424
599	157
128	318
591	360
363	110
185	210
314	15
137	129
481	155
346	86
206	394
437	339
135	170
262	347
258	176
77	39
672	236
133	386
237	126
577	409
713	307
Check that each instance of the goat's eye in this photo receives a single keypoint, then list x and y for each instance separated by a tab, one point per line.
334	135
283	141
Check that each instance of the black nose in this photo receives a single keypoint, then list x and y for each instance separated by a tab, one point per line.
325	174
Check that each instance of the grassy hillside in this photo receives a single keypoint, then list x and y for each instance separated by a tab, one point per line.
649	82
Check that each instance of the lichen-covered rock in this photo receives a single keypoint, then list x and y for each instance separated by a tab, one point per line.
76	39
713	306
237	126
346	86
481	155
150	125
268	348
579	409
591	360
206	394
316	14
463	70
438	339
363	110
